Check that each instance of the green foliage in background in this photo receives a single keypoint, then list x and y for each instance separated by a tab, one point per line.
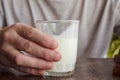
114	47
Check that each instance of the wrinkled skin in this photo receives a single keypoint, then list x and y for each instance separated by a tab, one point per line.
21	37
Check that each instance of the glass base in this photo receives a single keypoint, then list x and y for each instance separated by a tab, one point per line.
58	74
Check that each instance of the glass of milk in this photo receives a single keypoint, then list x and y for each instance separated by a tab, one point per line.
66	34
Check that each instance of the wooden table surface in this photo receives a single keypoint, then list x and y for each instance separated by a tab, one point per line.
88	69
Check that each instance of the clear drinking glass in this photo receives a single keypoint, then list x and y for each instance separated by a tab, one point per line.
66	34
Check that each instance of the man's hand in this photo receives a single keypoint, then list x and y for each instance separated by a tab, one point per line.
22	37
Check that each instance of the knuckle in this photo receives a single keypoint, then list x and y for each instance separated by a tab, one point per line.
30	32
6	36
27	46
18	59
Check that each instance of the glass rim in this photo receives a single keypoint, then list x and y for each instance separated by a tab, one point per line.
55	21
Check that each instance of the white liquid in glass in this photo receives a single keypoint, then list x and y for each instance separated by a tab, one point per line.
68	49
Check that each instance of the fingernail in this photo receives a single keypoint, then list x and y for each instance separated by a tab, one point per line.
50	65
57	56
53	44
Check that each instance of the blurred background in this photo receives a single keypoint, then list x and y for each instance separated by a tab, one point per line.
115	43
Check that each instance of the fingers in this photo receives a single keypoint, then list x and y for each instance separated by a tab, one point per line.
32	71
29	46
23	37
36	35
28	61
22	60
34	49
8	51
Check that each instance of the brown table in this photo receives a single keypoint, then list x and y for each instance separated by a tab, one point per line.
88	69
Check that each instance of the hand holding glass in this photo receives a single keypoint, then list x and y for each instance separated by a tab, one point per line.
66	34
